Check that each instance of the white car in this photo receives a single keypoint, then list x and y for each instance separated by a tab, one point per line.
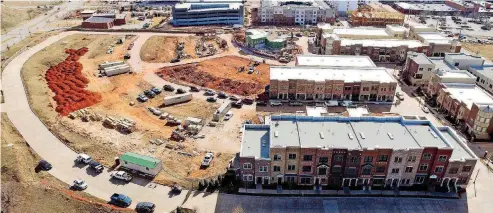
79	184
207	159
122	175
425	109
228	115
83	158
155	111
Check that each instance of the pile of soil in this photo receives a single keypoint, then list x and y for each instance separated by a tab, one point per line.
67	82
191	74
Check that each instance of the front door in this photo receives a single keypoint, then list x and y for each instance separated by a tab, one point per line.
317	181
259	180
279	180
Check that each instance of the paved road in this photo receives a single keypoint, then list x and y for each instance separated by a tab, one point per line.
53	150
38	24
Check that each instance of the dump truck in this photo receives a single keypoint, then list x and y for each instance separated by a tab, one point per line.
176	99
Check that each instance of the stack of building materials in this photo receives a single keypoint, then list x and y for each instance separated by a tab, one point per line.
122	124
85	114
113	68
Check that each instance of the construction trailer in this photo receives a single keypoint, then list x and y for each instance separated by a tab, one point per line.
116	70
176	99
110	64
145	165
221	111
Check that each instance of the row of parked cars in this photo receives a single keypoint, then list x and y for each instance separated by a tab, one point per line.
237	102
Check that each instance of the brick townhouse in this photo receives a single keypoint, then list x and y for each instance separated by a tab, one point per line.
350	151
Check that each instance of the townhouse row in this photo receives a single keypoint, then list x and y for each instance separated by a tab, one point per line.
350	151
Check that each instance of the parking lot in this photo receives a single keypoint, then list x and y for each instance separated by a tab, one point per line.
474	29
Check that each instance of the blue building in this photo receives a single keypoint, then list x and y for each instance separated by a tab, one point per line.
192	14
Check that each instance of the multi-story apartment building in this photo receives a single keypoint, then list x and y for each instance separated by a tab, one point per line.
345	7
350	151
484	76
331	83
334	60
210	13
289	12
440	76
375	14
438	44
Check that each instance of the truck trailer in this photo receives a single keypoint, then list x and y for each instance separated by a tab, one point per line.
116	70
176	99
110	64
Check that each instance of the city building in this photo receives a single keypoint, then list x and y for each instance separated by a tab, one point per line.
334	60
484	76
353	151
207	13
441	76
103	19
294	12
469	106
337	82
425	8
262	39
86	14
439	45
98	23
345	7
375	14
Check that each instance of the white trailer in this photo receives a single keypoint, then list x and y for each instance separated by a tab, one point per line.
222	110
116	70
176	99
110	64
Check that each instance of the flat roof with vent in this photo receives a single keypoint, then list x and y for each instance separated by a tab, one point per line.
390	135
255	142
334	60
335	135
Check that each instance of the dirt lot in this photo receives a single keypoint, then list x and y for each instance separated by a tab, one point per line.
484	50
23	190
13	17
162	48
117	92
221	74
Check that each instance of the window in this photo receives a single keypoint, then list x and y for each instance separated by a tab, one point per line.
456	64
338	158
466	168
323	160
419	179
366	170
423	167
292	156
421	69
354	159
439	169
409	169
407	181
247	166
307	158
426	156
347	88
397	160
277	157
336	169
429	69
368	159
290	179
305	180
262	169
276	168
383	158
395	171
247	177
411	159
442	158
380	169
291	167
351	170
322	171
307	168
418	76
366	89
453	170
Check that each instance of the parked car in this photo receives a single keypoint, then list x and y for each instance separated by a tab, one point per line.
251	70
211	99
145	207
180	91
207	159
275	103
142	98
44	165
295	103
228	115
79	185
209	92
126	56
176	188
237	104
155	111
169	88
194	89
96	166
399	96
261	103
83	158
150	93
425	109
222	95
156	90
234	98
247	100
122	175
120	200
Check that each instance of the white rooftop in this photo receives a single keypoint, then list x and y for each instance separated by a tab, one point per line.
397	28
455	74
434	37
382	43
468	93
346	74
361	31
334	60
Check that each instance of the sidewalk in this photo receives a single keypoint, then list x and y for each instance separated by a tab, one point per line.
349	193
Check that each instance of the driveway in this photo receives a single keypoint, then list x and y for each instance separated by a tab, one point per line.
61	157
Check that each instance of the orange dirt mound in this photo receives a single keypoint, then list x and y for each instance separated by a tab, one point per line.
67	82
